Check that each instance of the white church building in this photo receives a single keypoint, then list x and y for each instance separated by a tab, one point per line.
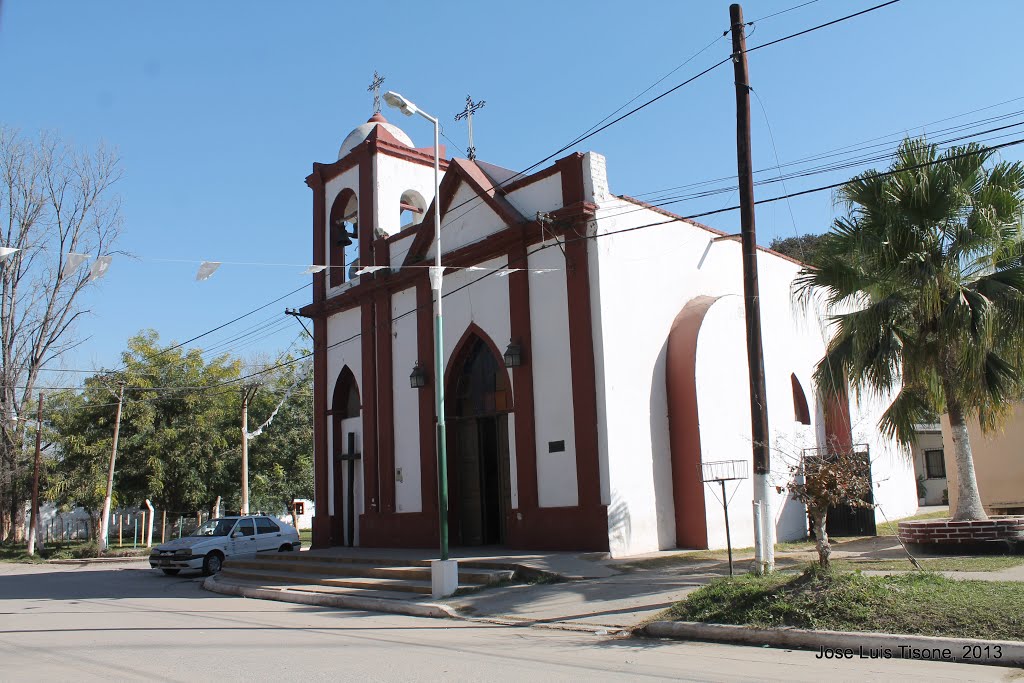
631	367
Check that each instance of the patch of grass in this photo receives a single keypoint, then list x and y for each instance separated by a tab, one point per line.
979	563
919	603
10	552
889	528
306	536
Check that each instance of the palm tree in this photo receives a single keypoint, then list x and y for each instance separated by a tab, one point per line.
925	280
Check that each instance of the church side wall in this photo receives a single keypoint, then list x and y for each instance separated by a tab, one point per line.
642	280
408	496
552	381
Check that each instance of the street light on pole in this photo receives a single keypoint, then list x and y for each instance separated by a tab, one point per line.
444	573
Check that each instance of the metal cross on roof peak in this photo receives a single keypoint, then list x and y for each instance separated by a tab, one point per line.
467	113
378	81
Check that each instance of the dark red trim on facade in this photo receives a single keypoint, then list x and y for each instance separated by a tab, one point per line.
684	423
581	342
838	427
321	515
522	377
371	492
385	391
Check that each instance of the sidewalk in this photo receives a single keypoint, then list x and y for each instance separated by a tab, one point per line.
588	590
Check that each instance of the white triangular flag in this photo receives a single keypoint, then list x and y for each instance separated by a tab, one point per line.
538	271
505	272
7	251
369	269
476	268
206	269
314	269
71	265
100	267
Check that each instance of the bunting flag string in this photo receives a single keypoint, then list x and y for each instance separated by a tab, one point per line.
206	269
100	267
302	373
71	264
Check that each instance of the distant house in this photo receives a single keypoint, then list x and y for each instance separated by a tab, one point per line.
930	465
998	464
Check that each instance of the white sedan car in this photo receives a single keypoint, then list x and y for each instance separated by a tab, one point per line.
208	546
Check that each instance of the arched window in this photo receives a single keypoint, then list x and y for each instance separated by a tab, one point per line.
800	411
345	403
412	206
343	234
481	387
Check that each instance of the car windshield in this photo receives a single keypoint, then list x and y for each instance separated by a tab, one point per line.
215	527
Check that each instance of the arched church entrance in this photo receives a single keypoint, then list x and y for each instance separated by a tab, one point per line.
479	399
345	431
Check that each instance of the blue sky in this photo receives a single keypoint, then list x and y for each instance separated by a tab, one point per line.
220	109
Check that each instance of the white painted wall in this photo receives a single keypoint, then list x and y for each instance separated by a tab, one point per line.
468	219
543	195
552	381
640	281
392	177
408	495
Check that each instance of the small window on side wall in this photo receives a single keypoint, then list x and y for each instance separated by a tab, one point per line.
935	463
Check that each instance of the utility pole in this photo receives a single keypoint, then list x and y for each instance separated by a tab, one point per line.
105	518
34	519
764	531
248	391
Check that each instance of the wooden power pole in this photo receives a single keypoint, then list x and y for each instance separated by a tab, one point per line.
34	518
763	519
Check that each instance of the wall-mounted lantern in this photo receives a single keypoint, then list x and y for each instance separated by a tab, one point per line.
418	378
513	355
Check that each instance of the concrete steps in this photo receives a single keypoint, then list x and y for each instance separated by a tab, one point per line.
303	572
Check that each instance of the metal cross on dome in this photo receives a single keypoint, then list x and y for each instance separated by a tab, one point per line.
378	81
467	113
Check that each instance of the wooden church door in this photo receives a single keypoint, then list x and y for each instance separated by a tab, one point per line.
479	468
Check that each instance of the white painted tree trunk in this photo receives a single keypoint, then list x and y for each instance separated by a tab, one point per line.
968	502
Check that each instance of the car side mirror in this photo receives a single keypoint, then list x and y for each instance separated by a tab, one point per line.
237	534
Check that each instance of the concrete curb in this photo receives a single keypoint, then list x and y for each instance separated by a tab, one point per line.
848	645
100	560
414	609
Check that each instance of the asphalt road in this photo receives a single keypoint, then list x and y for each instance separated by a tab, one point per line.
127	622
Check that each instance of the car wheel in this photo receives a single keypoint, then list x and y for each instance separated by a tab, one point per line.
212	563
285	548
170	572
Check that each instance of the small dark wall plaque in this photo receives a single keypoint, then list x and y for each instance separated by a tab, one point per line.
556	446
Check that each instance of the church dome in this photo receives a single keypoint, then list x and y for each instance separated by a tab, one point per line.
363	131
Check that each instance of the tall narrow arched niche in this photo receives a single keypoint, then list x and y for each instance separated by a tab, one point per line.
343	235
345	408
801	413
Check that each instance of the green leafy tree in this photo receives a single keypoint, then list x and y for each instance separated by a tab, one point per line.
802	248
925	278
281	457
